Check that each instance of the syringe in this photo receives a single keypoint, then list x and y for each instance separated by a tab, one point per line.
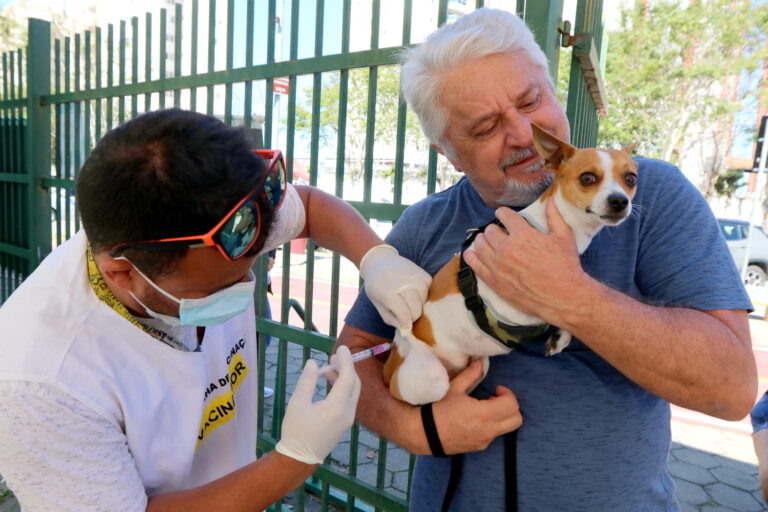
357	356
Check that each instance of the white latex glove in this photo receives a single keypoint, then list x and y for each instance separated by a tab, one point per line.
311	429
396	286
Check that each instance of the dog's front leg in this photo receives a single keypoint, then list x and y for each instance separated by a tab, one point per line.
557	342
420	378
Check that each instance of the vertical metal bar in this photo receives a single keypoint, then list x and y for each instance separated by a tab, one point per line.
543	17
370	128
269	99
402	113
442	13
248	100
193	54
77	148
211	51
230	59
68	173
58	129
177	54
340	159
121	73
163	53
88	104
97	121
134	63
110	71
148	59
38	148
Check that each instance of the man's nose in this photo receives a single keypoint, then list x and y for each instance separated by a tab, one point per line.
517	129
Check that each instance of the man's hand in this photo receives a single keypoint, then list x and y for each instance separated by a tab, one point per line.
532	270
395	285
463	423
466	424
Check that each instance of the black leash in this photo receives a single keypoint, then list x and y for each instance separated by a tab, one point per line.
510	475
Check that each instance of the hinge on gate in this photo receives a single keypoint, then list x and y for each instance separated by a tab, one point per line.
566	38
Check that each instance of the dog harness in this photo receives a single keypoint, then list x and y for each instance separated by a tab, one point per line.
509	335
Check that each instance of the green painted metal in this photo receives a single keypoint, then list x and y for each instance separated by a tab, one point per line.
92	83
581	109
544	17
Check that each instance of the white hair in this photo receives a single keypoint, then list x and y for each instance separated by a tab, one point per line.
478	34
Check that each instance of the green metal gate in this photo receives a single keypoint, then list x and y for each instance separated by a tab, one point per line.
234	59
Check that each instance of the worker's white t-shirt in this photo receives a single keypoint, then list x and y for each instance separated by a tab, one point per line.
103	414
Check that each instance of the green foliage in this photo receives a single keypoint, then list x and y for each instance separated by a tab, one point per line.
729	181
670	74
386	113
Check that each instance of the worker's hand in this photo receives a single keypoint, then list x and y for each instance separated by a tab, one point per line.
311	429
396	286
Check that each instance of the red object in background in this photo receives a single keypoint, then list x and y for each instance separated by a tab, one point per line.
280	85
298	245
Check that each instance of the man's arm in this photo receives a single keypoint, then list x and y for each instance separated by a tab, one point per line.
252	487
336	225
701	360
463	423
395	285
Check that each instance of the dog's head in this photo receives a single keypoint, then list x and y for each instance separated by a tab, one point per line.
598	183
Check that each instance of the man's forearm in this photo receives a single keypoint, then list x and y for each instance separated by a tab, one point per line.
335	225
251	488
694	359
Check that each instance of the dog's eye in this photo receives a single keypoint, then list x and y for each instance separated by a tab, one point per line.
630	179
588	179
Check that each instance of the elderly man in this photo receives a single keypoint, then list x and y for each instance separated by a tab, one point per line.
656	305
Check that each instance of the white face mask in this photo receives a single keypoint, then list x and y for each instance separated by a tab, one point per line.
288	223
211	310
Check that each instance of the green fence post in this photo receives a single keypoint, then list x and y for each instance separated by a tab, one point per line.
38	138
544	16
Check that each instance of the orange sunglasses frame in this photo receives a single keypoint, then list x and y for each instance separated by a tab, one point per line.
275	160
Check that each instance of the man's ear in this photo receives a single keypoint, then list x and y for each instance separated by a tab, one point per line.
553	150
454	163
119	273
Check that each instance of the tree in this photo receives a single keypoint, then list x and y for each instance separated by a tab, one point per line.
671	78
387	102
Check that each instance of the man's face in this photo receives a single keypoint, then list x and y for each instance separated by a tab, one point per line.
201	272
490	104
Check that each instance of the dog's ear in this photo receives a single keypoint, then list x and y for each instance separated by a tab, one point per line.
629	149
552	149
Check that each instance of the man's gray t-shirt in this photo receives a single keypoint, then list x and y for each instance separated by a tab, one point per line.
591	440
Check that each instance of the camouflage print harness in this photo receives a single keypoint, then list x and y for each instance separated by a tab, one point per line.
508	335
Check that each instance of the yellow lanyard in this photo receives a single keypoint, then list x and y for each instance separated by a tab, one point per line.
104	294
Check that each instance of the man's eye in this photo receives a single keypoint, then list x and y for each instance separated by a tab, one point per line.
587	179
485	130
531	104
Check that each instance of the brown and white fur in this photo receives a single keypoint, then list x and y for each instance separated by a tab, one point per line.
592	188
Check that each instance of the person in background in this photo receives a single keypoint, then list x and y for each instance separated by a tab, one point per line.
128	370
656	306
759	418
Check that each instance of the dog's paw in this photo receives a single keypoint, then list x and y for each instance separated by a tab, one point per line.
557	342
421	380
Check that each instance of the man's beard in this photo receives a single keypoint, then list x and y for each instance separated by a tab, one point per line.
519	194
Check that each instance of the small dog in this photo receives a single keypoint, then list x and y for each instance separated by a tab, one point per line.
463	319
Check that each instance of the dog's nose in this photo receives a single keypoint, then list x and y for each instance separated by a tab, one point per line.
618	202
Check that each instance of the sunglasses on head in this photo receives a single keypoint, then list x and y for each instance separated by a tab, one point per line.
235	234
